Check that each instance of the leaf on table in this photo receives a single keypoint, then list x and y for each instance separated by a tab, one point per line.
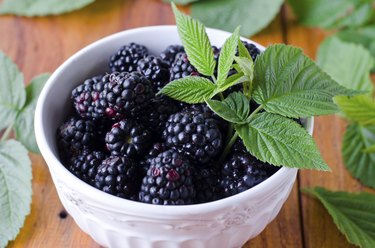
196	43
252	15
15	189
353	214
24	125
359	109
332	14
235	108
288	83
280	141
360	163
41	7
12	93
181	2
191	89
348	64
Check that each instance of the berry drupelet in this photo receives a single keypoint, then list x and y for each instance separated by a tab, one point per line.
155	150
169	54
127	57
156	70
206	181
128	138
181	67
195	135
168	180
119	176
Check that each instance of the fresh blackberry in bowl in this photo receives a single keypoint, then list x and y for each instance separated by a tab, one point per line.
128	138
169	54
127	57
119	176
206	181
124	95
155	150
195	135
168	180
74	136
156	70
181	68
243	171
85	165
85	95
155	118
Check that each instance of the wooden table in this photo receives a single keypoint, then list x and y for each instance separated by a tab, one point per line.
41	44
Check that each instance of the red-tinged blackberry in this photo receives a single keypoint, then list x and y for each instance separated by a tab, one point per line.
169	54
195	135
155	150
206	182
181	67
155	118
75	135
156	70
168	181
85	95
85	165
243	171
125	95
127	57
119	176
128	138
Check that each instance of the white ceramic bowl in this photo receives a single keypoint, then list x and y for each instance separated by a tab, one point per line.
116	222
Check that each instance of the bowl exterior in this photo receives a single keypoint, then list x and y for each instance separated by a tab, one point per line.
115	222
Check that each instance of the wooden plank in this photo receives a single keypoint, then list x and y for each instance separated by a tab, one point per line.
41	44
319	229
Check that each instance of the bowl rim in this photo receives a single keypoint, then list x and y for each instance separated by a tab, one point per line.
121	204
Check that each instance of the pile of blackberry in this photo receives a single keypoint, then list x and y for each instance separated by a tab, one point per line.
127	141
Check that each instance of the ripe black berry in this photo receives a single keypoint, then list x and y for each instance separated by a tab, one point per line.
168	181
156	70
196	136
119	176
155	150
128	138
181	67
206	181
169	54
127	57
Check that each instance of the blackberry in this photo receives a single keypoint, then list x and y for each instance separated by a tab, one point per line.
206	181
119	176
155	118
181	67
124	95
127	57
75	135
169	54
156	70
195	135
85	165
155	150
85	95
243	171
168	181
128	138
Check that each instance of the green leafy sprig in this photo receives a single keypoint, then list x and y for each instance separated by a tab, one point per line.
17	107
283	81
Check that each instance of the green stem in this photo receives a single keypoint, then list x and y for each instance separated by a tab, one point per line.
228	147
6	133
214	79
255	112
229	132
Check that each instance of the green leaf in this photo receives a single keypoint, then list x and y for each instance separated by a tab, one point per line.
24	125
252	15
353	214
15	189
190	89
196	43
12	93
348	64
247	67
41	7
359	109
235	108
181	2
333	13
360	163
370	149
242	50
227	53
280	141
288	83
237	78
364	36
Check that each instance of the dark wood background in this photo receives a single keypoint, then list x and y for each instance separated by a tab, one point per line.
41	44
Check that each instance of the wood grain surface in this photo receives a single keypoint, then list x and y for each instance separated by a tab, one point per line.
41	44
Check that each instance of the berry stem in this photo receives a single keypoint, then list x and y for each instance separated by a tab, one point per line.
254	113
7	133
228	147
